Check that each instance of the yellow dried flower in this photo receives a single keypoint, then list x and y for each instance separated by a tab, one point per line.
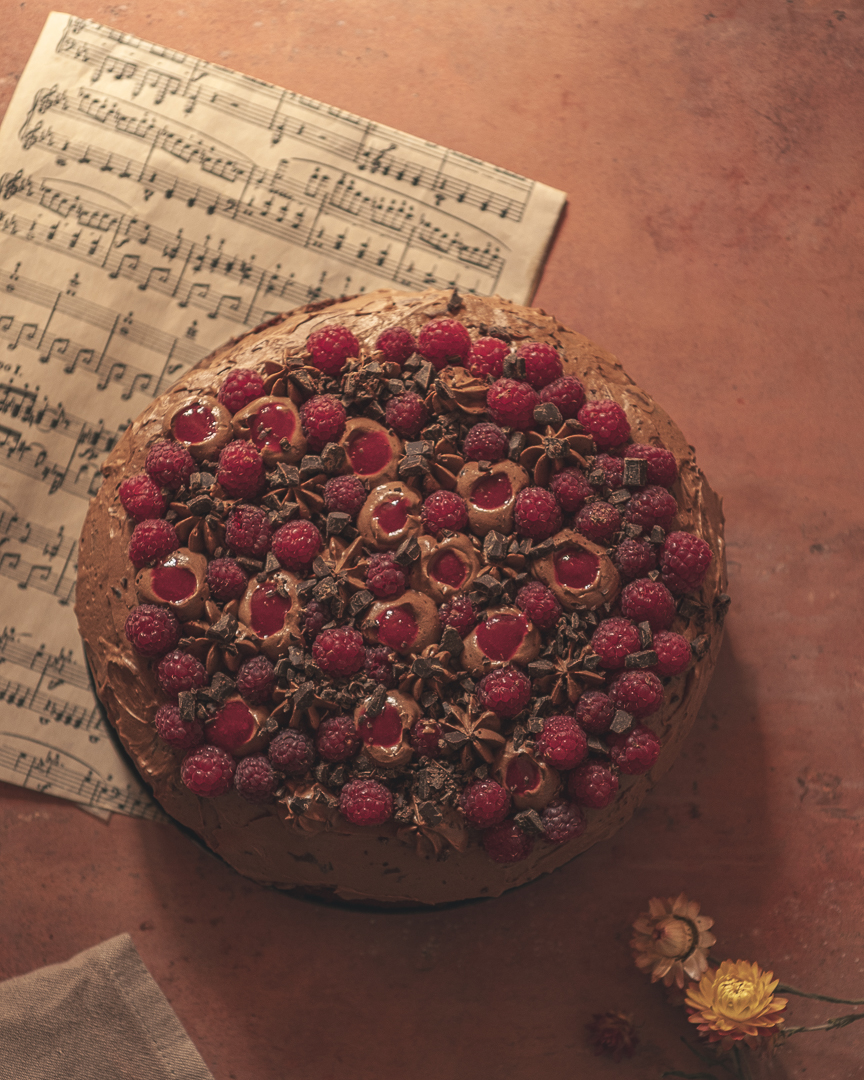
735	1001
672	940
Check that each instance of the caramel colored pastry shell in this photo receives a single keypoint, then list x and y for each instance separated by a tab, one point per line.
335	858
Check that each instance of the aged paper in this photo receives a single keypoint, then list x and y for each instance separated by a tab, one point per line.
153	206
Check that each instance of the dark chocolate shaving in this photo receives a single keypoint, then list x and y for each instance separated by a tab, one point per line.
635	472
359	602
547	415
333	458
622	721
494	546
700	645
641	661
529	822
407	552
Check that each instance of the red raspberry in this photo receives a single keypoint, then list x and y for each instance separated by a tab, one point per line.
208	771
662	466
345	495
379	666
542	363
240	470
397	344
459	613
141	497
538	514
487	357
635	558
172	730
365	802
651	506
598	521
595	712
248	531
315	615
151	541
256	679
613	641
562	742
323	418
612	469
444	510
571	489
169	464
673	653
291	752
444	341
424	738
385	577
485	803
485	442
684	561
605	422
296	544
634	752
506	691
638	692
567	394
562	821
406	414
241	387
255	779
177	672
330	347
339	651
592	784
226	579
648	601
151	630
506	843
511	403
337	739
539	604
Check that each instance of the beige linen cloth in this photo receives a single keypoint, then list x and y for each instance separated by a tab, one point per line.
99	1016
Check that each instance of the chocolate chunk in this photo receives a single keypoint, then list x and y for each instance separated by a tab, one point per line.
200	505
223	631
220	688
188	706
424	377
302	379
529	821
535	724
407	552
653	575
688	608
429	813
327	589
375	705
359	602
310	465
596	478
538	669
645	635
337	522
632	530
721	606
374	412
622	721
516	445
497	332
597	746
321	568
700	645
640	661
395	386
271	564
513	367
251	566
657	535
635	472
451	642
296	657
455	739
333	458
547	415
305	590
591	662
284	476
421	447
494	546
618	498
555	449
413	465
433	433
454	303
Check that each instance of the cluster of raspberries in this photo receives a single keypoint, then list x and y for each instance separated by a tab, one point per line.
636	645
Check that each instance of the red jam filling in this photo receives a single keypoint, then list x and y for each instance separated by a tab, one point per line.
575	568
522	775
397	628
231	727
492	491
385	729
268	610
369	452
449	569
391	516
500	636
194	425
172	583
270	424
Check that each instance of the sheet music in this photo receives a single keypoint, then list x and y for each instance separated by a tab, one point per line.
153	206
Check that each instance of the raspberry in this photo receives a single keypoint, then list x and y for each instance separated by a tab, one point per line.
567	394
323	418
638	692
459	613
487	357
241	387
592	784
424	738
594	712
662	466
248	531
169	464
506	691
365	802
613	641
151	541
651	506
684	561
291	752
172	729
256	679
178	671
406	414
208	771
240	470
296	544
226	579
512	404
330	347
385	577
485	803
339	651
444	510
635	558
538	514
571	489
542	363
485	442
612	469
562	821
648	601
605	422
634	752
444	341
539	604
379	667
345	495
506	843
673	653
337	739
255	779
397	344
315	615
562	742
142	497
598	521
151	630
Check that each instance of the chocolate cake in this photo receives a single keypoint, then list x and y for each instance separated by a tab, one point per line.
403	599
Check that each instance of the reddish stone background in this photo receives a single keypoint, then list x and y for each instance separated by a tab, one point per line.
712	159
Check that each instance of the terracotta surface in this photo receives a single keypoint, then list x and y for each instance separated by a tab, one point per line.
713	242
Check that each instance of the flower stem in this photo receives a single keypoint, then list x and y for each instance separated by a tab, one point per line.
785	989
829	1025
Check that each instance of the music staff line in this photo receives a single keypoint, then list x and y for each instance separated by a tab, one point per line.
52	709
77	477
51	543
57	668
22	404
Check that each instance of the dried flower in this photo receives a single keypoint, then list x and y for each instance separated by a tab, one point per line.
613	1033
735	1001
672	940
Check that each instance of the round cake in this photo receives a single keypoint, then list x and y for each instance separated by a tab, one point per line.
402	599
